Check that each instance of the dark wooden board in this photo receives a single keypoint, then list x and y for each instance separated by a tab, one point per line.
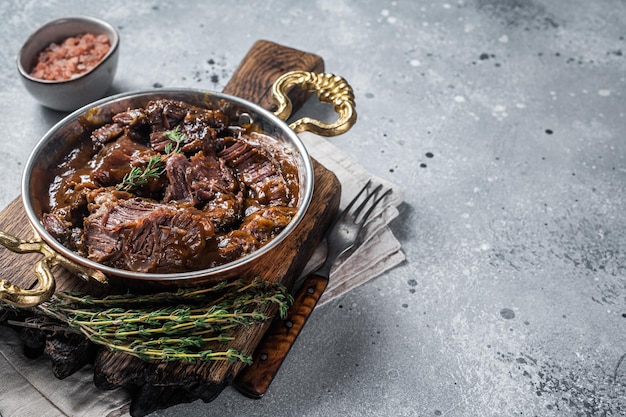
263	64
158	385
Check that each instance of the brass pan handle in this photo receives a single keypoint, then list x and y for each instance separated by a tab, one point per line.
330	88
26	298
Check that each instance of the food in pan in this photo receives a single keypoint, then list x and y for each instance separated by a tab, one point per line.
171	187
70	58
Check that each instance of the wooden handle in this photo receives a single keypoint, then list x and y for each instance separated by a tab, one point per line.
265	63
269	355
261	67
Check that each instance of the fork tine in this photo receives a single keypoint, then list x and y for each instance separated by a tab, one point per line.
367	199
356	198
375	203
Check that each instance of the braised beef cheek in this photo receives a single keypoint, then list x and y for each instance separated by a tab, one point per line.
171	188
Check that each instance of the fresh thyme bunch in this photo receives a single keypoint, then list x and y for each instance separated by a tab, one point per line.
171	326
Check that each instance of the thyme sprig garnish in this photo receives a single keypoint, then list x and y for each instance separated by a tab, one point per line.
138	177
176	137
184	325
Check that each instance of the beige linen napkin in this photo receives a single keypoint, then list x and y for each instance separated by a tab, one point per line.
29	388
380	250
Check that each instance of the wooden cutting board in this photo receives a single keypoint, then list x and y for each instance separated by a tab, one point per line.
159	385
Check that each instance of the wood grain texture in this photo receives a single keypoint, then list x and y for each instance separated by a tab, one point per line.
18	268
160	384
206	381
253	381
263	64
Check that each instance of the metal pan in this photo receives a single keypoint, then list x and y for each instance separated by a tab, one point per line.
63	136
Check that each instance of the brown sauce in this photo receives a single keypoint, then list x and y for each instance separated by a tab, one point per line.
171	188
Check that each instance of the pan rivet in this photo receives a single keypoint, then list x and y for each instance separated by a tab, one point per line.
245	119
263	356
289	324
310	290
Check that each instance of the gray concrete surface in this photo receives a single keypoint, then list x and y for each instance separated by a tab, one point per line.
505	122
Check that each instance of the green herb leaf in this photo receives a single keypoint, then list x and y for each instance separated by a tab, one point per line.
177	137
138	177
188	325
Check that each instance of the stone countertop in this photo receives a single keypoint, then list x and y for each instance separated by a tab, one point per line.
504	121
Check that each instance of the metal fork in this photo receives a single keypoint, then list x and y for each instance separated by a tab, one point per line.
343	236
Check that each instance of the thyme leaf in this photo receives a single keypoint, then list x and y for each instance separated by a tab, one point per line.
187	325
176	137
138	177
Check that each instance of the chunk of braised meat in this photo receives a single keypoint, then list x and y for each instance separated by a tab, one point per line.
167	241
205	181
113	161
105	195
145	236
198	128
200	131
236	244
65	231
214	184
178	187
225	210
256	230
217	119
211	176
68	193
116	159
195	137
257	169
131	117
165	114
266	223
58	227
107	133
